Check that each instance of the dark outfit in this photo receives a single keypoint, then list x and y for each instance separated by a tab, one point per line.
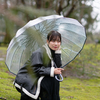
49	86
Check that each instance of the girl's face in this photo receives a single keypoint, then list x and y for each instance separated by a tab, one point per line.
54	44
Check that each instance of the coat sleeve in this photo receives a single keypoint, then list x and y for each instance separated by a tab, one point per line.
39	68
57	58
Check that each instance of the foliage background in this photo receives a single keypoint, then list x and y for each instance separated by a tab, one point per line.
16	13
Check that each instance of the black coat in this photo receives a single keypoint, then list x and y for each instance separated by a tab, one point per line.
37	72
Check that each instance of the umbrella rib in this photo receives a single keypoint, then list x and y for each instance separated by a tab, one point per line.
22	53
72	42
42	27
76	33
70	50
13	53
20	58
10	50
64	51
13	43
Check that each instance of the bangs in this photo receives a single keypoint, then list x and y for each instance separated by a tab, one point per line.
54	36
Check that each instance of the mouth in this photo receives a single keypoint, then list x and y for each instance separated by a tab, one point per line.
55	47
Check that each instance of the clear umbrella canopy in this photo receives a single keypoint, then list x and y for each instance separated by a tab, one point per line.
33	35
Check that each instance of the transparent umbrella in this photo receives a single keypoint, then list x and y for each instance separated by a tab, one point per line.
33	35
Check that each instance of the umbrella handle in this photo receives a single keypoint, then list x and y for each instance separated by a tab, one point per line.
60	80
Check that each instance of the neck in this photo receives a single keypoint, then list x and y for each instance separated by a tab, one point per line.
52	52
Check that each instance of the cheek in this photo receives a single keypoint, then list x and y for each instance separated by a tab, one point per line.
51	43
59	44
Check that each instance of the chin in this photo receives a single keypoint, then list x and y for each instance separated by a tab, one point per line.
56	49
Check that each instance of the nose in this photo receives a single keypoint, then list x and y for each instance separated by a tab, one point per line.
56	42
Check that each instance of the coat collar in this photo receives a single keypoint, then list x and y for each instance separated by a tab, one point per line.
48	51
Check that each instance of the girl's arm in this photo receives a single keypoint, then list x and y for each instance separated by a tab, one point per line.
39	68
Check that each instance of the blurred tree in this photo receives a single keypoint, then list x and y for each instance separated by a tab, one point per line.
21	11
9	30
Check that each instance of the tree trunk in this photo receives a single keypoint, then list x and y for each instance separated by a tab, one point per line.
38	3
59	8
74	3
23	2
6	5
17	2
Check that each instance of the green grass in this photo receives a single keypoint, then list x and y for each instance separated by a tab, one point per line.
80	89
71	88
7	90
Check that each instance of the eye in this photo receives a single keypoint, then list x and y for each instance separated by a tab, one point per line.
53	40
58	40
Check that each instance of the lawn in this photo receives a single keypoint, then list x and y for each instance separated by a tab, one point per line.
80	89
72	88
7	90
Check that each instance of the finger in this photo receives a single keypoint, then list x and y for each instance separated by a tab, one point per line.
60	69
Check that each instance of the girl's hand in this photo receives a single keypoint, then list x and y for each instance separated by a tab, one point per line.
58	70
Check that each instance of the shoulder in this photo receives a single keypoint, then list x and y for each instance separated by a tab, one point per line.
39	53
39	57
36	57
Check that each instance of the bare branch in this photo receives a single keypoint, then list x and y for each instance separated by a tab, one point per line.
59	9
66	4
74	3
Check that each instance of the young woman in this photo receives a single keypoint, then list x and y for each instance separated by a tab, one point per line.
45	64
